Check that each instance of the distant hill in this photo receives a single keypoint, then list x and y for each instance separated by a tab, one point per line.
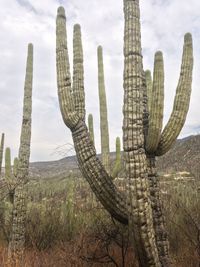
184	156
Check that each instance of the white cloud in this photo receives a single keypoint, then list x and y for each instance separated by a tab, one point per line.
163	26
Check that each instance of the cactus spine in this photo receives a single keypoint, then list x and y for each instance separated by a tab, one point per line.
1	151
105	149
142	196
117	165
16	245
91	127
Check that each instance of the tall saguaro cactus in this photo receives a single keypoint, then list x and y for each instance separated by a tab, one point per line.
1	151
17	242
140	207
158	142
105	149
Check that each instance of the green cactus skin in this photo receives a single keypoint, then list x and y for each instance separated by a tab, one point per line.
15	166
142	207
158	143
105	149
1	150
92	168
8	169
16	245
117	166
78	72
91	127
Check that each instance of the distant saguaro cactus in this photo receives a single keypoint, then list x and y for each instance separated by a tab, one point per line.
8	168
117	165
91	127
105	147
138	206
17	242
1	151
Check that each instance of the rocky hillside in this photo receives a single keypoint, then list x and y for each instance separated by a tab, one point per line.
184	156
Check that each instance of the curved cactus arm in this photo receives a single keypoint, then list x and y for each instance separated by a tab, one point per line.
66	100
91	127
105	149
181	101
133	140
156	104
1	150
89	164
117	165
158	216
93	170
78	73
17	242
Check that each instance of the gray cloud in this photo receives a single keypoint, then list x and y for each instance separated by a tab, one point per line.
163	26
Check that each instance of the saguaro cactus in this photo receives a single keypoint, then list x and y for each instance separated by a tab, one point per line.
158	142
137	207
91	127
8	169
1	151
105	148
16	245
117	165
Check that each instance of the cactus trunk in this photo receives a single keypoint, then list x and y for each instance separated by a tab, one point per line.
17	242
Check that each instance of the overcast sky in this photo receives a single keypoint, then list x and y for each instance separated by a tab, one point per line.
164	23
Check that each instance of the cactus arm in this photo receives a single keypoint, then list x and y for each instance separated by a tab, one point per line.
149	86
78	73
105	150
117	165
17	242
91	127
1	150
96	175
133	140
158	216
66	100
181	101
86	154
156	104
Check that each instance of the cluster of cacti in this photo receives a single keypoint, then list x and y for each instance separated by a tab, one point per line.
17	241
142	137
